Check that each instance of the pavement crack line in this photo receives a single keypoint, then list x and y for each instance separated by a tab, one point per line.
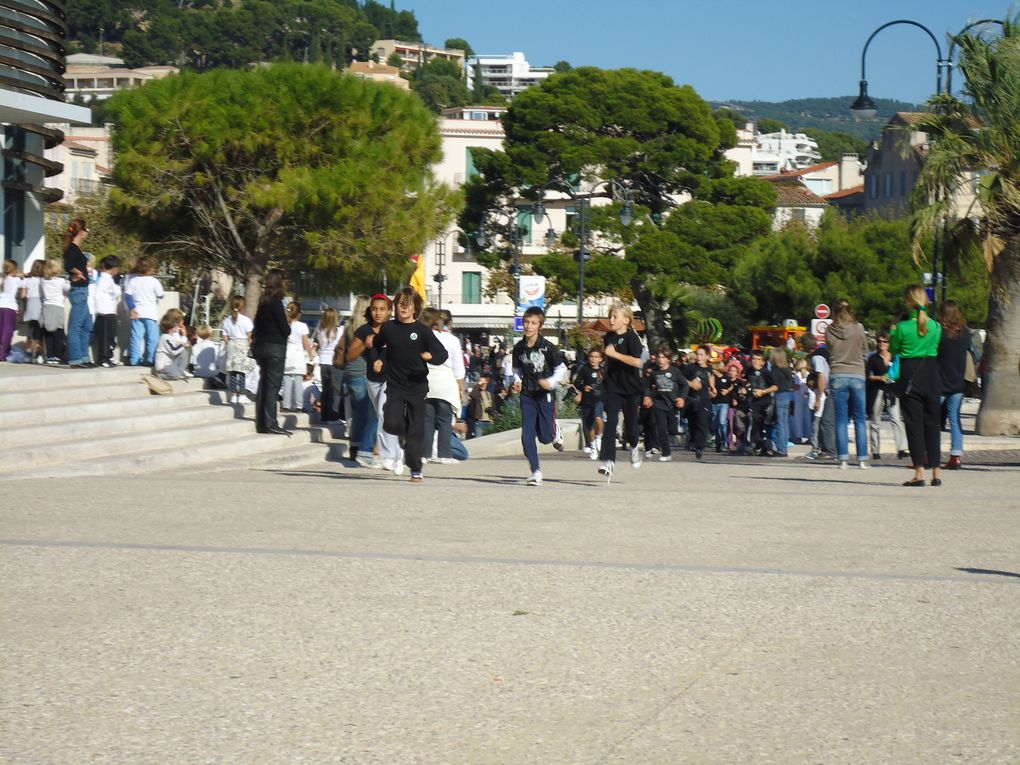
976	577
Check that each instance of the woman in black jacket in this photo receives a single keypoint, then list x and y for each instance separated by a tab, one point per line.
954	346
269	348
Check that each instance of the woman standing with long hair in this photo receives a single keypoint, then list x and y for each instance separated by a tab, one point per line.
327	336
916	340
269	348
848	344
79	323
952	360
361	421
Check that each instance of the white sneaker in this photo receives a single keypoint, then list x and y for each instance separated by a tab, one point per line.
606	469
653	452
593	453
666	458
536	479
598	444
864	465
636	459
445	460
557	441
366	461
398	467
843	465
385	465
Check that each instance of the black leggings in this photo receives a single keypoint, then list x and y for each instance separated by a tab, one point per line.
404	417
921	410
629	404
699	419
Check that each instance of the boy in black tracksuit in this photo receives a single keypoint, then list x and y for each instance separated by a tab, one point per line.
588	383
538	369
409	344
760	387
699	401
667	388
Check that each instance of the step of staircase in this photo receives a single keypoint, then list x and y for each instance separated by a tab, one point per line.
61	422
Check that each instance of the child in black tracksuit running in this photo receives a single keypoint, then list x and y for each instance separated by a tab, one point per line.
761	388
667	388
538	369
409	344
699	400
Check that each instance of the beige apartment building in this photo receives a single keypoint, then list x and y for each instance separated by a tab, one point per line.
414	54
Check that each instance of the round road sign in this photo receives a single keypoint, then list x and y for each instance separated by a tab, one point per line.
822	311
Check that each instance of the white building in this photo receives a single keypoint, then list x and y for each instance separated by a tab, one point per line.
99	77
414	54
772	153
510	75
31	95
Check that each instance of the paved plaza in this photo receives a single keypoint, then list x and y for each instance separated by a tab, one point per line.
736	611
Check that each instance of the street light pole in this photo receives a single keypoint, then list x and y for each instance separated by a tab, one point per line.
865	108
440	277
584	204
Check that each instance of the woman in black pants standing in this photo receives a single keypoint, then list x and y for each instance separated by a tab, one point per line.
916	340
270	351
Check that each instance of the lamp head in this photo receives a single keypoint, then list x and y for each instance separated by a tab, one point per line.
550	237
480	237
627	213
538	210
864	108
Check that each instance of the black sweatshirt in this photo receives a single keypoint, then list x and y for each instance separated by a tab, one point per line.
271	326
404	344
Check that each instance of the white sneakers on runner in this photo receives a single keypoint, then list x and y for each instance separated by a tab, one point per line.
535	479
636	460
557	441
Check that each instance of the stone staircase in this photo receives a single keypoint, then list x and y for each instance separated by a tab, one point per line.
57	422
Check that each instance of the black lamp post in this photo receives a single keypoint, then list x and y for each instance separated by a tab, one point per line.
865	108
440	277
584	203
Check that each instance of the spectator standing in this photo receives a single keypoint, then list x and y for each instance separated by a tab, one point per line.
270	331
824	428
79	324
107	297
10	291
53	286
237	334
954	348
916	340
327	336
848	344
295	366
361	420
881	396
142	294
32	316
782	378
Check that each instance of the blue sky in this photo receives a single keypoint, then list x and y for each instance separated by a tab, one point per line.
770	51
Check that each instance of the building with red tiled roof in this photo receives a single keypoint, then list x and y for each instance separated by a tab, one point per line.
795	201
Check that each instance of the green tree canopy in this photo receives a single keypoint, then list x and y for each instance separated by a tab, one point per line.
292	165
459	43
655	140
441	85
769	125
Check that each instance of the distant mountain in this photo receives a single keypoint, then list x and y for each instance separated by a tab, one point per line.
823	113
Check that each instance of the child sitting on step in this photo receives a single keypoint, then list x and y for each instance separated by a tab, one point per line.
172	355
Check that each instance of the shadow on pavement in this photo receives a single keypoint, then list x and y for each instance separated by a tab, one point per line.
988	571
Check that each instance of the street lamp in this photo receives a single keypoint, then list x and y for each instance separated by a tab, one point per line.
440	277
584	203
865	108
515	244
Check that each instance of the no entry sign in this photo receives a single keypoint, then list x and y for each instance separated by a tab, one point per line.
822	311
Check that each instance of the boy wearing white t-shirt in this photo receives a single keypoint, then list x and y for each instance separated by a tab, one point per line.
107	296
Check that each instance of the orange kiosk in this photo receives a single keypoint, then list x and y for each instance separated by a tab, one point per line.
773	336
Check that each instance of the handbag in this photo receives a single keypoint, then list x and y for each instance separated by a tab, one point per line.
894	369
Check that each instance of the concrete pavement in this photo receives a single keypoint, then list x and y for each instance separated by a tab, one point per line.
724	612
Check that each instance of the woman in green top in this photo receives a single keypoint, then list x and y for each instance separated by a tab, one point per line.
916	340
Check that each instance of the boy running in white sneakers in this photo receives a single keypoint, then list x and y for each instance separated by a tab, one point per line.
538	369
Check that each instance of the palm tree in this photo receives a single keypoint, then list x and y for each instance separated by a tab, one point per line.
982	135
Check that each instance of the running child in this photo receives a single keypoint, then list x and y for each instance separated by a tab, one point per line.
408	345
538	369
623	387
667	389
588	383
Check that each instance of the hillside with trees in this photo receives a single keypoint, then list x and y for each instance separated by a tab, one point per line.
206	34
830	114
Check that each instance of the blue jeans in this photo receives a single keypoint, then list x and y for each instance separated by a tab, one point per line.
79	326
144	331
721	420
953	402
359	409
848	393
781	440
538	421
